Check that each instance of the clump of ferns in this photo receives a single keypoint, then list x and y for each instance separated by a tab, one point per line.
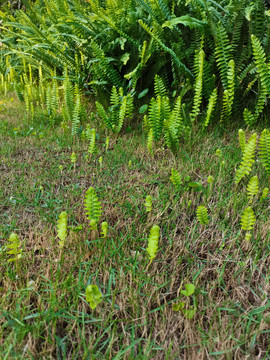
163	120
120	109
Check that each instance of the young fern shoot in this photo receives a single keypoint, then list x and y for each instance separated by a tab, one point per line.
148	203
153	239
62	229
252	188
202	215
175	178
92	207
247	221
14	248
247	160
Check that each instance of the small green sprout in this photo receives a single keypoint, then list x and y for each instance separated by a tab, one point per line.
264	194
182	306
93	296
100	161
148	203
107	143
153	239
14	247
202	215
218	152
73	159
62	229
104	229
175	178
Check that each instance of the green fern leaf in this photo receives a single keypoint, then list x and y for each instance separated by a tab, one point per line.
264	194
264	149
104	229
93	296
253	187
153	239
92	205
247	160
62	228
198	87
14	247
175	178
148	203
248	219
210	107
202	215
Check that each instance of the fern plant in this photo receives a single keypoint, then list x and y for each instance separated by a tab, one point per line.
92	207
104	229
175	178
202	215
121	107
264	194
153	239
210	107
93	296
252	188
247	221
14	248
62	229
264	150
247	160
148	203
198	86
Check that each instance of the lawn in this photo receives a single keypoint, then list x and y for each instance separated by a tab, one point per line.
44	312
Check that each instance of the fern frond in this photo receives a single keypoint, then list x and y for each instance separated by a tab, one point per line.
223	53
264	194
175	178
249	118
198	87
62	228
159	86
104	229
148	203
92	205
122	113
253	187
102	113
248	219
92	144
202	215
247	160
260	61
14	247
264	149
150	140
210	107
93	296
76	116
153	239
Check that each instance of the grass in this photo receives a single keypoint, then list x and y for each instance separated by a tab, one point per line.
44	313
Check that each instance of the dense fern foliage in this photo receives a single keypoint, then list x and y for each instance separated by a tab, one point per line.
213	55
